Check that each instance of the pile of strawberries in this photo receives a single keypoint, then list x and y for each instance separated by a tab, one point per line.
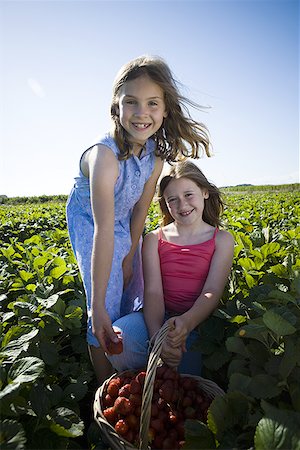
175	399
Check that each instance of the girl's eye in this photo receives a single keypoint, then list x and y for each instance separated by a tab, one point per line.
171	200
152	103
130	102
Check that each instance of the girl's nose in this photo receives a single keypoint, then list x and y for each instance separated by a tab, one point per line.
181	202
141	110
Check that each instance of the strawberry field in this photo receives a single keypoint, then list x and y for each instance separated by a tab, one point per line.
250	346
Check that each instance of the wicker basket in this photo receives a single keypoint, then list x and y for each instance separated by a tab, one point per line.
115	440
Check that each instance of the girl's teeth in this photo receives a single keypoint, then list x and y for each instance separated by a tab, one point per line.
140	125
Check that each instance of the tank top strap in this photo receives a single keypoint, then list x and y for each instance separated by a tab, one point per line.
215	232
160	236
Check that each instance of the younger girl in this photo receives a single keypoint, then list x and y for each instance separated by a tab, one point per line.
186	265
108	204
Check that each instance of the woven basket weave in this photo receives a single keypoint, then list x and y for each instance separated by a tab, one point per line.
115	440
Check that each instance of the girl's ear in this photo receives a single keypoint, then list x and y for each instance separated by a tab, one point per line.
205	194
165	114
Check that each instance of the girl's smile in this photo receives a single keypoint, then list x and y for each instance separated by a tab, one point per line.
141	109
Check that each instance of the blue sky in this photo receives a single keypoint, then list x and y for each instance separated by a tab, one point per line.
239	59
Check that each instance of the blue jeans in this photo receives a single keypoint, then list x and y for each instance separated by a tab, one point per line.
136	343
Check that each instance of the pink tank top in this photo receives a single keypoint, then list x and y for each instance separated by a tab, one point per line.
184	269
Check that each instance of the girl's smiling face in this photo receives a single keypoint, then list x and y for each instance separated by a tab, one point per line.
141	109
185	200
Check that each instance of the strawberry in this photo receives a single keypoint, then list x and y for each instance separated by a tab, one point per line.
115	348
166	391
135	387
110	415
123	406
132	421
108	401
136	399
113	388
157	425
141	378
189	412
121	427
124	391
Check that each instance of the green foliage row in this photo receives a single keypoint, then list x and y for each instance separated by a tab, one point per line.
250	346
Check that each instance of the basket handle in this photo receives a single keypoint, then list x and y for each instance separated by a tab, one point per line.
149	383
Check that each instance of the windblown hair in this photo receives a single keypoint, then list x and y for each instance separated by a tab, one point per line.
213	205
179	136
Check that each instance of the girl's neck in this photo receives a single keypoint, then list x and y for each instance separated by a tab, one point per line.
138	149
188	234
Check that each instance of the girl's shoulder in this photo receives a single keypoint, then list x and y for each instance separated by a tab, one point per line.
152	236
224	237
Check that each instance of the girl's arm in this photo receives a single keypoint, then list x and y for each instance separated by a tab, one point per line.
139	215
103	172
211	293
154	306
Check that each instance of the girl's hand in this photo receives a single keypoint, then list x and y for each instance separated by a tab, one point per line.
103	330
178	333
127	271
171	355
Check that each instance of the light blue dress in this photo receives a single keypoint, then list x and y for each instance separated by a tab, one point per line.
133	174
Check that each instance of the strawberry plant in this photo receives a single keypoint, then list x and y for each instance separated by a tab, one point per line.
250	345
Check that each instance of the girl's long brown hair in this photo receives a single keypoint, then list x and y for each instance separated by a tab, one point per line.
179	136
213	205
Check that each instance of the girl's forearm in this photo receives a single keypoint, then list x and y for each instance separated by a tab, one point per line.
154	313
204	306
101	262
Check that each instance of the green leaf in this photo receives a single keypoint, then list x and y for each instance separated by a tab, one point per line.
226	412
35	239
280	270
13	347
26	370
246	263
277	323
278	429
12	435
249	280
48	302
23	371
39	400
198	435
264	386
289	359
236	345
39	263
240	383
76	391
57	272
25	275
49	353
64	422
270	434
270	249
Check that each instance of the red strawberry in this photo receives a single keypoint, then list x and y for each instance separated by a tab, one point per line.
135	387
123	406
113	388
124	391
121	427
108	401
141	378
110	415
132	421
